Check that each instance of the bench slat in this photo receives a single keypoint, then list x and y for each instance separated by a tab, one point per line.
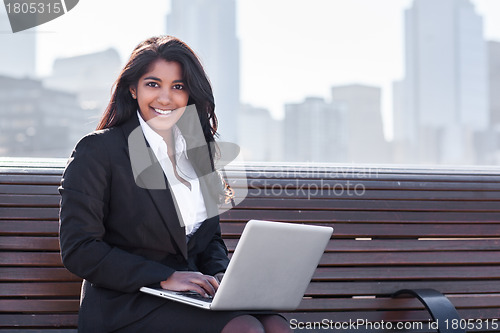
28	189
411	258
37	259
332	259
41	289
348	304
370	194
29	243
363	288
337	185
39	306
319	216
38	320
389	230
27	200
44	330
31	179
28	213
30	227
35	274
385	273
334	204
390	245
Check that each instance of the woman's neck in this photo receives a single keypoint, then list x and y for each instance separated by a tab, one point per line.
168	137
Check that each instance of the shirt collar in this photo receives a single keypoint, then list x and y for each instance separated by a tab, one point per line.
156	142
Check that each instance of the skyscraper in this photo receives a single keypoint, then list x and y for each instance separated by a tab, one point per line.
261	136
444	102
494	88
209	27
494	82
90	77
315	131
37	121
364	128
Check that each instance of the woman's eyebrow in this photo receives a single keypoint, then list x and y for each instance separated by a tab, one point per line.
152	78
158	79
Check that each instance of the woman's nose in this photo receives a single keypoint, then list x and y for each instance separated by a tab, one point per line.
163	96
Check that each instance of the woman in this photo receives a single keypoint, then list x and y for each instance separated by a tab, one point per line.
140	210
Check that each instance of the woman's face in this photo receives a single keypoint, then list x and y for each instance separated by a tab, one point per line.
161	95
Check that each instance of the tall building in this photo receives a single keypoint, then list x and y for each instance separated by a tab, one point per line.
365	131
90	77
404	143
209	27
36	121
444	102
18	55
315	131
494	89
261	136
494	82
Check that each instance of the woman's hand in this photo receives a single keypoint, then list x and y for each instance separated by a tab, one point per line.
205	285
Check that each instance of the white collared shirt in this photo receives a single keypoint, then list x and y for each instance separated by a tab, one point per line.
189	201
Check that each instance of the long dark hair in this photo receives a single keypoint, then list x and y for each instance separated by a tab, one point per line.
122	106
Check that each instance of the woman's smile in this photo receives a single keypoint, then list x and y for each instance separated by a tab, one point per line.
163	112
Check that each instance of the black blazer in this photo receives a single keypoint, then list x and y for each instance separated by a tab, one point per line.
119	236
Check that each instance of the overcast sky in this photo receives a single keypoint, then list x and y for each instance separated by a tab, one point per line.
289	48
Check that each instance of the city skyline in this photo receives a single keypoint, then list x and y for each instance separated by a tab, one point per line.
431	100
262	54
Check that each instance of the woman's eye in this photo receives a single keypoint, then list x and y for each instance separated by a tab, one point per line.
152	84
178	86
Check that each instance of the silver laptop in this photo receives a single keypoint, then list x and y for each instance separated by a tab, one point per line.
271	268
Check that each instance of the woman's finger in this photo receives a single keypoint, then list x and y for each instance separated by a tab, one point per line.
205	282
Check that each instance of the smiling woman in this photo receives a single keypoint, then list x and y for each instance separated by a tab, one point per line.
120	232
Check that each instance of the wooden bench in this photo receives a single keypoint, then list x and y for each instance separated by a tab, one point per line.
395	228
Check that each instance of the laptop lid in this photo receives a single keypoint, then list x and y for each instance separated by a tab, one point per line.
271	268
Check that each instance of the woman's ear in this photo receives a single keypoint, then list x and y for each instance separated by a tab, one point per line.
132	90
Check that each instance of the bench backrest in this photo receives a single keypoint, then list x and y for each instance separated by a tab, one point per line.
394	229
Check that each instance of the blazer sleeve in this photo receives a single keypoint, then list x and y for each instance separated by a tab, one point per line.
85	192
214	258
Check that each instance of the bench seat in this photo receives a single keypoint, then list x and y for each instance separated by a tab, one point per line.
395	228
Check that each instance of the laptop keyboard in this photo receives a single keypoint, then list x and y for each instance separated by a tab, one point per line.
195	295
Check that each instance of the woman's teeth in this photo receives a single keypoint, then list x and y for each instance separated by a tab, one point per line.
164	112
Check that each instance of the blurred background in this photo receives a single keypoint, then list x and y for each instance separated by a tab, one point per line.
361	81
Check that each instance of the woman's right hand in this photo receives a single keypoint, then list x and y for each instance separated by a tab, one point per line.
205	285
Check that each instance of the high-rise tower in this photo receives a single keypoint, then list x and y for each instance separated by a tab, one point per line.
444	102
209	27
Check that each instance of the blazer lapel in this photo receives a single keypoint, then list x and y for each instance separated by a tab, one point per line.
149	175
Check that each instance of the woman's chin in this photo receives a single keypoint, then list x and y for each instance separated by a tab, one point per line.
160	125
